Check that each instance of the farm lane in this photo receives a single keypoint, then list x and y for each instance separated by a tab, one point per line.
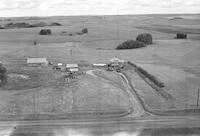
138	108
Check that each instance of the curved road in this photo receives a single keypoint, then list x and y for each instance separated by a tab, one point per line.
136	109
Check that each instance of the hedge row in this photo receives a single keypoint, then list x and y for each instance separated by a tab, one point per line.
151	77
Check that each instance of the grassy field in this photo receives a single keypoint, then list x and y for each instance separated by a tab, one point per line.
175	62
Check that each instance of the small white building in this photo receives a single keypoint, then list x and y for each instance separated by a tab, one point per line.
72	67
37	61
99	65
116	60
61	67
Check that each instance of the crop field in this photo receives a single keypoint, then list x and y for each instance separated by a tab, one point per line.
42	90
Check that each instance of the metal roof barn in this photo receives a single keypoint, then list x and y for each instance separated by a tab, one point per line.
71	65
99	65
73	69
37	61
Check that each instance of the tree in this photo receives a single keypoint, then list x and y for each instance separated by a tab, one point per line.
130	44
3	75
145	38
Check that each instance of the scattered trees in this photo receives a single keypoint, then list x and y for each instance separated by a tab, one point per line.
45	32
130	44
181	36
3	75
146	38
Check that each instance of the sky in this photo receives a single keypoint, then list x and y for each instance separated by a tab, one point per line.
12	8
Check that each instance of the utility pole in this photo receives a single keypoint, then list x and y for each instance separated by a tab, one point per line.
34	108
71	54
198	98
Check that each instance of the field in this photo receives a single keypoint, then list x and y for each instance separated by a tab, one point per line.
173	61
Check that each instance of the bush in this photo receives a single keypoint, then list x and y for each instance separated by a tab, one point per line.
130	44
45	32
181	36
145	38
84	30
3	75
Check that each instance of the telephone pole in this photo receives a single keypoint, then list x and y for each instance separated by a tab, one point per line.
198	98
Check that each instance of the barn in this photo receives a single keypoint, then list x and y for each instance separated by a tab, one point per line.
72	67
37	61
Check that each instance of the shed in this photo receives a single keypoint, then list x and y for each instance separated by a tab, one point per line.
116	60
72	67
99	65
37	61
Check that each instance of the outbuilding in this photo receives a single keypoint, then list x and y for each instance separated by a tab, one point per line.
116	61
72	67
99	65
37	61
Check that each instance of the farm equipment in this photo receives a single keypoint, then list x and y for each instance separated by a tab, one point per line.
114	67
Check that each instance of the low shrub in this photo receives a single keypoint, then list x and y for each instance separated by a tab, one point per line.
145	38
45	32
130	44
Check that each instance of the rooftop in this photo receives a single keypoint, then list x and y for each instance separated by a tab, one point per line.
71	65
37	60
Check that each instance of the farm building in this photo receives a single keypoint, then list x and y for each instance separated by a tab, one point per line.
116	61
115	64
99	65
37	62
60	67
72	67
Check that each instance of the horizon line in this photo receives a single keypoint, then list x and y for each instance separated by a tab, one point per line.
101	15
